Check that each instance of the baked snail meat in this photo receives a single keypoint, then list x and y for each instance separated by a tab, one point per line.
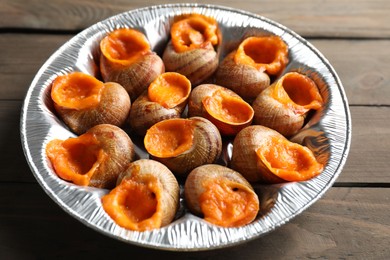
82	101
262	154
165	98
183	144
284	105
126	58
146	196
224	108
221	196
95	158
192	48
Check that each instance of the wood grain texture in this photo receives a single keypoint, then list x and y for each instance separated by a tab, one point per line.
22	55
363	72
363	67
332	18
34	227
369	157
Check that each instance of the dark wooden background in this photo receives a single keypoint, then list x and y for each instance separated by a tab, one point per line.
351	221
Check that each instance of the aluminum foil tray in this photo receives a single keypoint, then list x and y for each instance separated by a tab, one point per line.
328	133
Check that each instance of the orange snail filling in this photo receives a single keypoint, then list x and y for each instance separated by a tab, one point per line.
170	138
299	92
124	46
227	108
134	203
169	89
268	53
76	91
193	32
289	161
228	204
76	159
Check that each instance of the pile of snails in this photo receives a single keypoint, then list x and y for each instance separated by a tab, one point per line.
184	104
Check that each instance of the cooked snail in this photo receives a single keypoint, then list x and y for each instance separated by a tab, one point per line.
227	110
146	196
96	158
221	196
82	101
284	105
191	50
262	154
166	98
183	144
126	58
246	70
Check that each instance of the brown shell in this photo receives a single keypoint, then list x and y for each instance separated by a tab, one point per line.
145	113
206	149
120	149
197	65
244	80
256	138
244	158
167	182
270	111
193	186
136	77
113	108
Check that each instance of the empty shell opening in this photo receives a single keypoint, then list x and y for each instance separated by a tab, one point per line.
169	89
76	91
169	138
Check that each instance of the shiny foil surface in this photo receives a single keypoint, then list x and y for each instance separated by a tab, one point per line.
327	133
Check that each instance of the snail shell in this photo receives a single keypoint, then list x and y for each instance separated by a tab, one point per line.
284	105
166	98
184	144
221	195
262	154
243	79
132	64
223	107
95	158
190	51
146	196
196	64
110	102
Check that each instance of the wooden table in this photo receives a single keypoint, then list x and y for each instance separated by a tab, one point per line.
351	221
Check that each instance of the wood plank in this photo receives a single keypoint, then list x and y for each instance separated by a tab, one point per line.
363	72
368	160
334	18
369	157
347	223
363	67
13	164
20	61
